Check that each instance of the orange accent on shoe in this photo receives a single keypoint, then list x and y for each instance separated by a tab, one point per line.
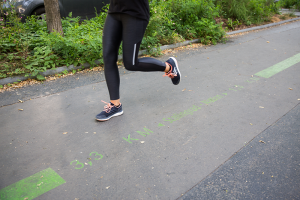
169	73
108	107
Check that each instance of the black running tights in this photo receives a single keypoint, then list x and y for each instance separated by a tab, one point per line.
130	30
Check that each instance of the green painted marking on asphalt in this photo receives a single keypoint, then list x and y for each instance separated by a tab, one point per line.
271	71
32	186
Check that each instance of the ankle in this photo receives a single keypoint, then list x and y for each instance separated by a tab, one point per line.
116	102
116	105
168	68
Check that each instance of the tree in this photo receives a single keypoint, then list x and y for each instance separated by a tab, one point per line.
53	17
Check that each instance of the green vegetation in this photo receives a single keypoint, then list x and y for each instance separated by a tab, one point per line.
290	4
247	11
28	48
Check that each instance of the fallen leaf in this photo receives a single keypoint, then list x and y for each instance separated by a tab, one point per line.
291	88
263	173
251	124
39	184
20	109
261	141
65	133
184	89
207	57
268	42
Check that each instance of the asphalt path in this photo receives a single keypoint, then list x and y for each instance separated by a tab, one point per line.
225	132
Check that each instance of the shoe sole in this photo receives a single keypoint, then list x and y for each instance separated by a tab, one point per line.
176	63
115	115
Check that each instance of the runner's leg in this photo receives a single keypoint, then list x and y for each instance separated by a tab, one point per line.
112	36
133	32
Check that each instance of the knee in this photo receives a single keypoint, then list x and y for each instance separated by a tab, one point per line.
129	68
109	53
109	59
106	55
129	65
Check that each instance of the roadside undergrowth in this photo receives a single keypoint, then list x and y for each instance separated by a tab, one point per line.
28	49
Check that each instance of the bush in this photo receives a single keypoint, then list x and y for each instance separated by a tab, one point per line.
248	11
290	3
28	48
177	20
81	43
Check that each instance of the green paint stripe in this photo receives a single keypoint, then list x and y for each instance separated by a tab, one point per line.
32	186
271	71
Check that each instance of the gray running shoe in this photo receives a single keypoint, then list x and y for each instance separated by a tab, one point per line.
110	110
174	72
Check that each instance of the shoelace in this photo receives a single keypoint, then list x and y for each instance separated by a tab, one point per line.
169	73
108	107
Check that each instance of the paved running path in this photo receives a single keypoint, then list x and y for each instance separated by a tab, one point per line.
172	141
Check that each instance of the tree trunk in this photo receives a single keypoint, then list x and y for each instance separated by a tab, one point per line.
53	16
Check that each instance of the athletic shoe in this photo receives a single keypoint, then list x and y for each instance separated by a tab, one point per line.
174	72
110	110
